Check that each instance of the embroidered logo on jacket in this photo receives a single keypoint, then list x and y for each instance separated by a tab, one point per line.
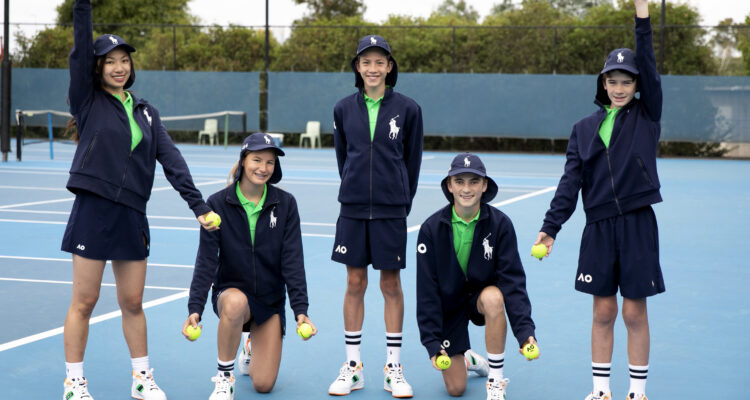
620	57
272	224
148	117
113	40
487	247
393	134
422	248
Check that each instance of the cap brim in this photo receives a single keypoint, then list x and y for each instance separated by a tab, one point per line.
623	67
125	46
465	170
260	147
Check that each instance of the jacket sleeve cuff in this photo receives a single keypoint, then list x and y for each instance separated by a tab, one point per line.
300	310
195	309
550	230
201	209
433	348
524	334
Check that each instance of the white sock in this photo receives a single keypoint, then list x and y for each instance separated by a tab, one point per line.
140	364
496	362
393	347
638	375
353	343
225	366
74	370
601	371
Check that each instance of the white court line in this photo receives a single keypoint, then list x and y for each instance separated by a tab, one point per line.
70	283
33	188
502	203
114	314
150	264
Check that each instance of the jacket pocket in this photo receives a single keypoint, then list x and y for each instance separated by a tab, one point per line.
645	172
88	150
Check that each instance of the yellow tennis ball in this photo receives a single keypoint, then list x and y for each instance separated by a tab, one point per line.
539	250
531	351
194	332
304	330
443	361
213	218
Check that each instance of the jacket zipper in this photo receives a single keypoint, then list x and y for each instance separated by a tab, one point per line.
124	175
371	179
609	166
88	150
645	173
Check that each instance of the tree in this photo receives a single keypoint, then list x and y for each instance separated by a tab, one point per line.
743	44
577	7
331	9
499	8
458	9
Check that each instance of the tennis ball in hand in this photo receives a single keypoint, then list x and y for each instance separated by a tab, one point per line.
213	218
443	362
194	332
531	350
304	330
539	250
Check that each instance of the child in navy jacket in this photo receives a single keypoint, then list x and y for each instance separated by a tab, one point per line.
377	134
468	269
249	264
119	140
611	159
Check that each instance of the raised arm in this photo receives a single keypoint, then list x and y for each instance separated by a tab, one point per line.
649	79
81	57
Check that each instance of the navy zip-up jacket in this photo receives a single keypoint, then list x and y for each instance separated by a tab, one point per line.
444	292
267	270
103	162
379	177
622	178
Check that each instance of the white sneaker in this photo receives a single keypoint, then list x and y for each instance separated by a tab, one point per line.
224	389
636	396
395	382
600	396
496	388
350	378
75	389
476	363
243	363
145	388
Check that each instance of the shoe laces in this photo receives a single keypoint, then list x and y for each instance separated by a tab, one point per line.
146	378
346	372
496	388
79	388
223	382
396	373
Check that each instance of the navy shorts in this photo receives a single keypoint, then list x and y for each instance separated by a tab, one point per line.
621	251
102	229
259	312
361	242
456	331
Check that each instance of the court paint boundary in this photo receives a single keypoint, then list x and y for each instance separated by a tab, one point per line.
70	283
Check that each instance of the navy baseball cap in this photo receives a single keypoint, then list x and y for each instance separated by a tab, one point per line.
256	142
369	42
618	59
106	43
469	163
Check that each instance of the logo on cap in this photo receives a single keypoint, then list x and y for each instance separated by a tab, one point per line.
113	40
620	57
373	40
467	163
267	138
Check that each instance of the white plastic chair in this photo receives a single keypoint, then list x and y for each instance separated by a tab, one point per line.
210	129
312	134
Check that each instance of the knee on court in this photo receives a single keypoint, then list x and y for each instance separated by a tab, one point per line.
455	389
263	385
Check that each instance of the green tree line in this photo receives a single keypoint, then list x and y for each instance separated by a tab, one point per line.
535	36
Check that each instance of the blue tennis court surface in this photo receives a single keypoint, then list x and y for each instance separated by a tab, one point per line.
698	327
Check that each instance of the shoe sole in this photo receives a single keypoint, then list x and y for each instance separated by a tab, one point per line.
344	394
408	396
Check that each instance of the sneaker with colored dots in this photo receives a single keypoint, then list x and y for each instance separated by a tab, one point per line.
76	389
496	388
224	389
243	363
145	388
350	378
394	381
476	363
599	396
636	396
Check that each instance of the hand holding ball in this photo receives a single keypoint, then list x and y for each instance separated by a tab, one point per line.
531	350
304	330
539	250
443	362
213	218
194	332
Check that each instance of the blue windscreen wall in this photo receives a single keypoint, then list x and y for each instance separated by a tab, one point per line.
696	108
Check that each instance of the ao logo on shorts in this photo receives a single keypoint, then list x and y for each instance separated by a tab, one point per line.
422	248
81	247
585	278
340	249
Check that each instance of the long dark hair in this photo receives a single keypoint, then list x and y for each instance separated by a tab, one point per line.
71	128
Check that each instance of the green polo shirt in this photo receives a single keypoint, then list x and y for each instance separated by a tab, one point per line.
463	235
605	130
252	210
373	106
135	131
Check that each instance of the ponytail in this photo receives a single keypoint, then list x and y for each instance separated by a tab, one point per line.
232	173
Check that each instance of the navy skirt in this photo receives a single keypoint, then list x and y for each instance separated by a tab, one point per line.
101	229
